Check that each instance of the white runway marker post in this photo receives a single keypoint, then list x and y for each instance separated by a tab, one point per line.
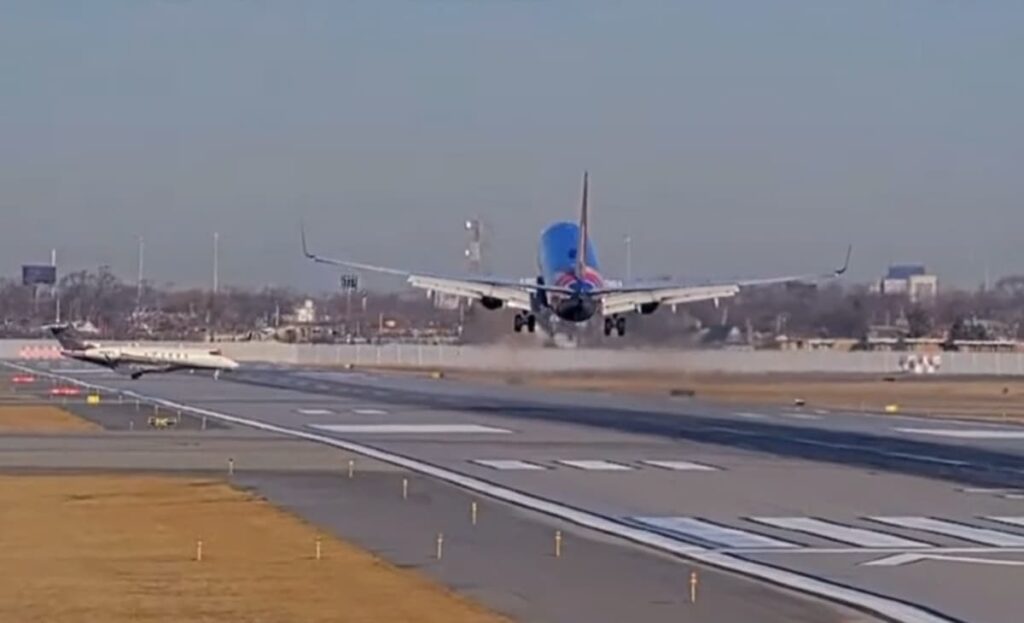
439	552
405	488
694	580
231	466
558	543
351	469
199	551
473	512
319	549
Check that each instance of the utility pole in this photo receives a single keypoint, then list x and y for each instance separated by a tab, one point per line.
140	277
628	241
54	290
216	262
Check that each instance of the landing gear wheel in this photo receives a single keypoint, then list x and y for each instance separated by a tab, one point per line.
620	326
609	325
531	323
518	323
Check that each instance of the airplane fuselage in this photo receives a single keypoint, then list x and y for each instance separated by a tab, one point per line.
151	358
556	259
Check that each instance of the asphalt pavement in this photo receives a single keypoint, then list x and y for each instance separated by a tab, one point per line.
922	517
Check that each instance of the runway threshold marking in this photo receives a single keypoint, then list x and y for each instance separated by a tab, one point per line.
703	531
985	536
882	606
860	537
1011	521
405	429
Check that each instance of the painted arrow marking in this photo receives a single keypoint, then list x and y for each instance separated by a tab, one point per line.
898	560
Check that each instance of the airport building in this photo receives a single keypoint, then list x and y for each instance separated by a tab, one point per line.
910	280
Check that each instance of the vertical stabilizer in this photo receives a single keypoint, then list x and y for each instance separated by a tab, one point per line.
581	244
65	334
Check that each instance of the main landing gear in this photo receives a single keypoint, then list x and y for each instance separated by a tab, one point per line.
615	324
525	321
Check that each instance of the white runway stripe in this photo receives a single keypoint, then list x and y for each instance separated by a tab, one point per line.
509	465
439	429
965	434
799	415
837	532
369	412
681	466
699	530
315	411
1012	521
953	529
597	465
750	415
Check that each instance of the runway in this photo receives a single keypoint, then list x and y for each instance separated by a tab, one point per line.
917	518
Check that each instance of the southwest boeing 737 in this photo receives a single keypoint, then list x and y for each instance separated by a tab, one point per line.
569	284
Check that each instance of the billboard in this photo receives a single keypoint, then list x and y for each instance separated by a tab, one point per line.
38	274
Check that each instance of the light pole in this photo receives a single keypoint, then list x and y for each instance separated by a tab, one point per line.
139	278
628	241
216	262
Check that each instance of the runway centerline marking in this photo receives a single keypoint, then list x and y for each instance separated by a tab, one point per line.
681	466
406	429
596	465
510	465
369	411
315	411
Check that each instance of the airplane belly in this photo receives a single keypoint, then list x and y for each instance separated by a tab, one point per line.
574	308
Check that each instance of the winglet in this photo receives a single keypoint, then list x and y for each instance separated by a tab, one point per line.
846	263
305	249
581	245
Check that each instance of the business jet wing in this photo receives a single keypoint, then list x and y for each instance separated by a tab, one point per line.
513	293
634	298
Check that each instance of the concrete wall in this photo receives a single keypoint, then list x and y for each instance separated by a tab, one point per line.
533	359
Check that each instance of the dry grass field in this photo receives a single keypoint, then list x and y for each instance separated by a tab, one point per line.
122	548
40	419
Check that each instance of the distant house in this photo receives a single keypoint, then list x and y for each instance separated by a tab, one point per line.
910	280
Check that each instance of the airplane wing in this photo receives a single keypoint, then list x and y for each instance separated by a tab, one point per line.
633	298
513	293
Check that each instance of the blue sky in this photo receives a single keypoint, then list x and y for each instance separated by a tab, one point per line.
728	138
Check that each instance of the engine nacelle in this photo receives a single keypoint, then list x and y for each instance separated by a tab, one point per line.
648	308
489	302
